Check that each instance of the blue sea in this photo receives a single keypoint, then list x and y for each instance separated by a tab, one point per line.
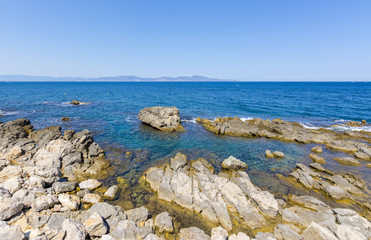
112	116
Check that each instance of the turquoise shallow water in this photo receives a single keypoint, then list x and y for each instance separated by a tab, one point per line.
112	115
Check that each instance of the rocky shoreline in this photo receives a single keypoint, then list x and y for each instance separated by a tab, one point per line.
51	188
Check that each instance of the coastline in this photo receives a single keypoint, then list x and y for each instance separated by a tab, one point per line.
33	193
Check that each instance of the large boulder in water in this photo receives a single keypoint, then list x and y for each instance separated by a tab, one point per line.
162	118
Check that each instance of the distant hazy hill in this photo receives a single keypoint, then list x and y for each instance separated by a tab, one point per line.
26	78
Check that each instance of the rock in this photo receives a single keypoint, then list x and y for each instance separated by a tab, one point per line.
71	202
75	102
219	233
364	122
179	161
318	232
347	161
269	154
310	202
164	222
265	236
351	218
138	215
320	168
239	236
95	225
346	232
283	231
362	156
278	154
317	149
344	184
152	236
192	233
92	198
95	150
10	232
317	158
162	118
90	184
66	119
74	230
125	229
9	207
62	187
291	217
334	191
233	163
112	192
104	209
44	202
45	135
13	184
353	124
4	193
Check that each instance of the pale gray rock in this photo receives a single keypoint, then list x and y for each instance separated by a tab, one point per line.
344	184
95	225
265	200
233	163
284	232
55	221
239	236
74	230
92	198
353	219
164	222
278	154
112	192
44	202
125	229
219	233
178	161
162	118
90	184
265	236
317	149
291	217
334	191
310	202
25	197
153	177
318	232
346	232
4	193
152	236
10	232
104	209
9	207
192	233
71	202
137	215
303	177
181	184
13	184
62	187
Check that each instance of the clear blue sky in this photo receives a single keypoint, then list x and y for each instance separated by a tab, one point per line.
245	40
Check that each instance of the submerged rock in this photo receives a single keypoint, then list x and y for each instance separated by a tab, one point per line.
317	149
75	102
161	118
317	158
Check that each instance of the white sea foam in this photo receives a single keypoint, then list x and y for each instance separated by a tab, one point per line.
308	125
8	113
193	120
130	119
345	128
246	119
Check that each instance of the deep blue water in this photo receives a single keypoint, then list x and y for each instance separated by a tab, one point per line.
112	114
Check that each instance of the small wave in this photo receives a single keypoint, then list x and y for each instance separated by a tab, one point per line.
308	126
193	120
341	120
8	113
345	128
130	119
246	119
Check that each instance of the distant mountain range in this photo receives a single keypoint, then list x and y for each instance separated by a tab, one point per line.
124	78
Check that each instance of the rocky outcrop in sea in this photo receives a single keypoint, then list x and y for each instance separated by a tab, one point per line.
161	118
